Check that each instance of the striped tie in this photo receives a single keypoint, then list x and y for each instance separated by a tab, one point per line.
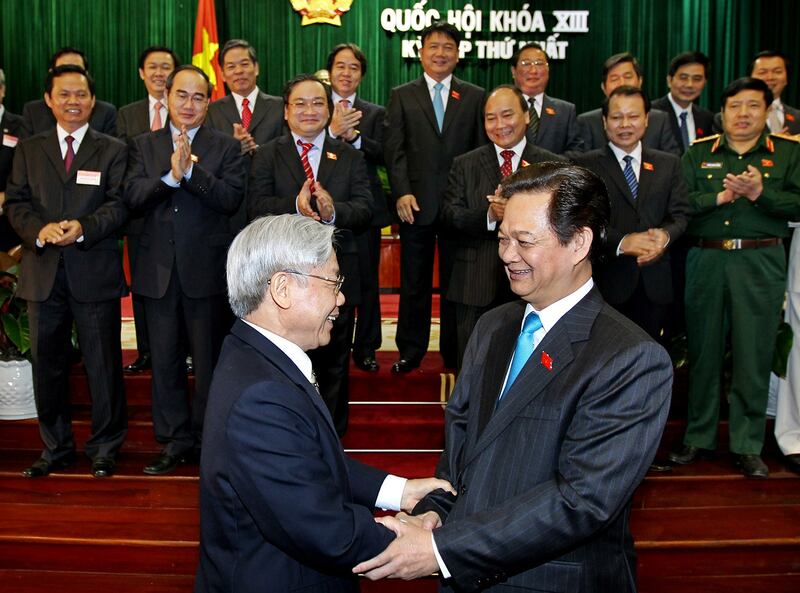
533	126
306	146
247	115
630	176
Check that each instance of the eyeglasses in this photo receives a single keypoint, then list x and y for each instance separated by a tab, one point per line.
337	283
532	63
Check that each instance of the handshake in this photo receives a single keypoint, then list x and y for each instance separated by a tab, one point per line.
411	554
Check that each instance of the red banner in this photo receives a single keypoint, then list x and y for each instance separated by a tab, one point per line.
206	46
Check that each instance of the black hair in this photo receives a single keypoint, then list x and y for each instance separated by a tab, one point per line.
689	57
359	55
68	50
158	48
747	83
193	68
618	59
626	91
444	28
237	43
66	69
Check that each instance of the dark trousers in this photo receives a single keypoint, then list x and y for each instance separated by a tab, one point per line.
331	365
650	316
367	337
98	326
418	244
139	323
178	425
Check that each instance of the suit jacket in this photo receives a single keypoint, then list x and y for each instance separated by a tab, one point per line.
545	482
38	117
282	508
558	127
477	271
662	202
658	134
186	227
40	191
10	125
371	133
418	156
266	124
277	176
703	119
134	119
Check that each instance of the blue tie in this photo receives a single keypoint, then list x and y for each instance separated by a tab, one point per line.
438	105
630	176
523	350
684	130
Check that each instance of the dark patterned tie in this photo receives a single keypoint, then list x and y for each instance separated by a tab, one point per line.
306	146
70	155
684	130
247	115
630	176
533	126
506	168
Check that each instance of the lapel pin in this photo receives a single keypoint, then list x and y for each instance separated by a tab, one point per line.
767	163
648	166
195	159
523	163
331	155
700	131
547	362
788	116
456	95
549	111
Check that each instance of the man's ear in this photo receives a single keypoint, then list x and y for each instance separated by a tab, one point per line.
279	290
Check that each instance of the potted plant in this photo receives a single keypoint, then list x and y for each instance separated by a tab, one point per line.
16	380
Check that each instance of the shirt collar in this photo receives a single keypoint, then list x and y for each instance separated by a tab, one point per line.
518	148
77	134
636	153
152	101
290	349
431	82
191	133
538	99
777	104
336	98
550	315
318	142
251	98
677	108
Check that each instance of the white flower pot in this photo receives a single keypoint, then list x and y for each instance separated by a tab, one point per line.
16	390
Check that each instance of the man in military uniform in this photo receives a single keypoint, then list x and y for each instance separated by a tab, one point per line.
744	186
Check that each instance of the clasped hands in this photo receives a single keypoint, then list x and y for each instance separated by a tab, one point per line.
242	135
61	233
410	555
324	211
497	206
647	246
181	159
344	121
748	184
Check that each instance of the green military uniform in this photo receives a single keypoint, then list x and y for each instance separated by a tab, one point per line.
736	286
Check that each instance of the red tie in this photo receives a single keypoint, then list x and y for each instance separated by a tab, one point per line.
506	168
157	122
345	103
247	115
306	146
70	156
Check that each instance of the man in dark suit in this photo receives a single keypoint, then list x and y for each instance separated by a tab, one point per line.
37	115
554	124
473	208
186	180
686	79
618	70
282	507
13	131
308	173
64	201
249	115
360	124
429	122
156	63
772	67
649	211
545	454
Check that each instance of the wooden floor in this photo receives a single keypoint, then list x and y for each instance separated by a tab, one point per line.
701	528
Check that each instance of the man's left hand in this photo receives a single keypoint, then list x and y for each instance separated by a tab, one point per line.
72	232
410	556
416	490
243	136
748	184
661	239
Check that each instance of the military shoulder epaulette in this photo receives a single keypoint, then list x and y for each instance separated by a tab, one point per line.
707	138
789	137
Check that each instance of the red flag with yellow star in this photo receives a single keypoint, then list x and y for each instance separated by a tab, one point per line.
206	46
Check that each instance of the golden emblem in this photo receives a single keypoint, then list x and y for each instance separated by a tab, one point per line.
321	11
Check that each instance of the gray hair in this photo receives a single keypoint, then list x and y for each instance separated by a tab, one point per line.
269	245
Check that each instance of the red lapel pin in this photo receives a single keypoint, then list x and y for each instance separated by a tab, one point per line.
647	166
547	362
700	131
549	111
788	116
456	95
767	163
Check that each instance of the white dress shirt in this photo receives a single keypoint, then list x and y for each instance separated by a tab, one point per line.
515	160
77	136
538	100
151	110
251	98
445	91
690	128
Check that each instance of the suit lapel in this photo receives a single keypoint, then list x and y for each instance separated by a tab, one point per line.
327	165
453	104
228	109
143	116
259	112
89	146
491	168
611	165
645	176
546	120
283	363
287	152
420	90
53	152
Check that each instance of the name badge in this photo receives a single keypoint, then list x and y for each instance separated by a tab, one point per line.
707	165
9	140
88	178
